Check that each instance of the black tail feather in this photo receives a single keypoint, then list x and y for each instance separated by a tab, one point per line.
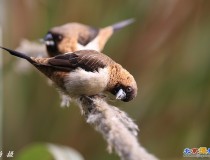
18	54
22	55
122	24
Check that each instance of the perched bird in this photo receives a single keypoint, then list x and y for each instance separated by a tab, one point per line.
85	72
72	37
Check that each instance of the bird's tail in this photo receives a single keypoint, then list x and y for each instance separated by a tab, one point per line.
106	32
119	25
18	54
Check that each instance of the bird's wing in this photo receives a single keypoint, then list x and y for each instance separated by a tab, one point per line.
88	60
87	35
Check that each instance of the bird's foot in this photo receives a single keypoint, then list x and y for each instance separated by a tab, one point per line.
65	101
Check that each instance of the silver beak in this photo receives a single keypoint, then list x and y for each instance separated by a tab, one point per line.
48	40
120	94
49	43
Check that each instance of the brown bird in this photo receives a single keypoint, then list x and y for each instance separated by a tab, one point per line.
85	72
72	37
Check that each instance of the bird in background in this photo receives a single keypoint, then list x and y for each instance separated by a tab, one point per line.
72	37
85	72
69	37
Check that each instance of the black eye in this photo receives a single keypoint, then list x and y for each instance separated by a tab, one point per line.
57	37
129	89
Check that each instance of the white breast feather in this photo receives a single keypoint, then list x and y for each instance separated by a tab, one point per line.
92	45
81	82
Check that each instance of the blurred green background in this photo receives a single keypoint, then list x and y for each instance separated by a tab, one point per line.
167	50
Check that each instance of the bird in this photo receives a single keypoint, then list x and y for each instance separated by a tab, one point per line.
85	73
74	36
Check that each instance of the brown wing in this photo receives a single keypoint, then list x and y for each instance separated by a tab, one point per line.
88	60
87	35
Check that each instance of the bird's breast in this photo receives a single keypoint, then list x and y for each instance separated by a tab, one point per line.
93	45
81	82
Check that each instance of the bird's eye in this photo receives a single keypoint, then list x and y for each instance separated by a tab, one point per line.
57	37
129	89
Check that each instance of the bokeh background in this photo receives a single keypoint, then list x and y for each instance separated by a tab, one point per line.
167	50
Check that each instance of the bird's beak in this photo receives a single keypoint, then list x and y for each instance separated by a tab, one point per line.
120	94
48	39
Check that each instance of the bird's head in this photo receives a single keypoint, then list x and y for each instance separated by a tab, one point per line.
125	88
61	39
65	38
